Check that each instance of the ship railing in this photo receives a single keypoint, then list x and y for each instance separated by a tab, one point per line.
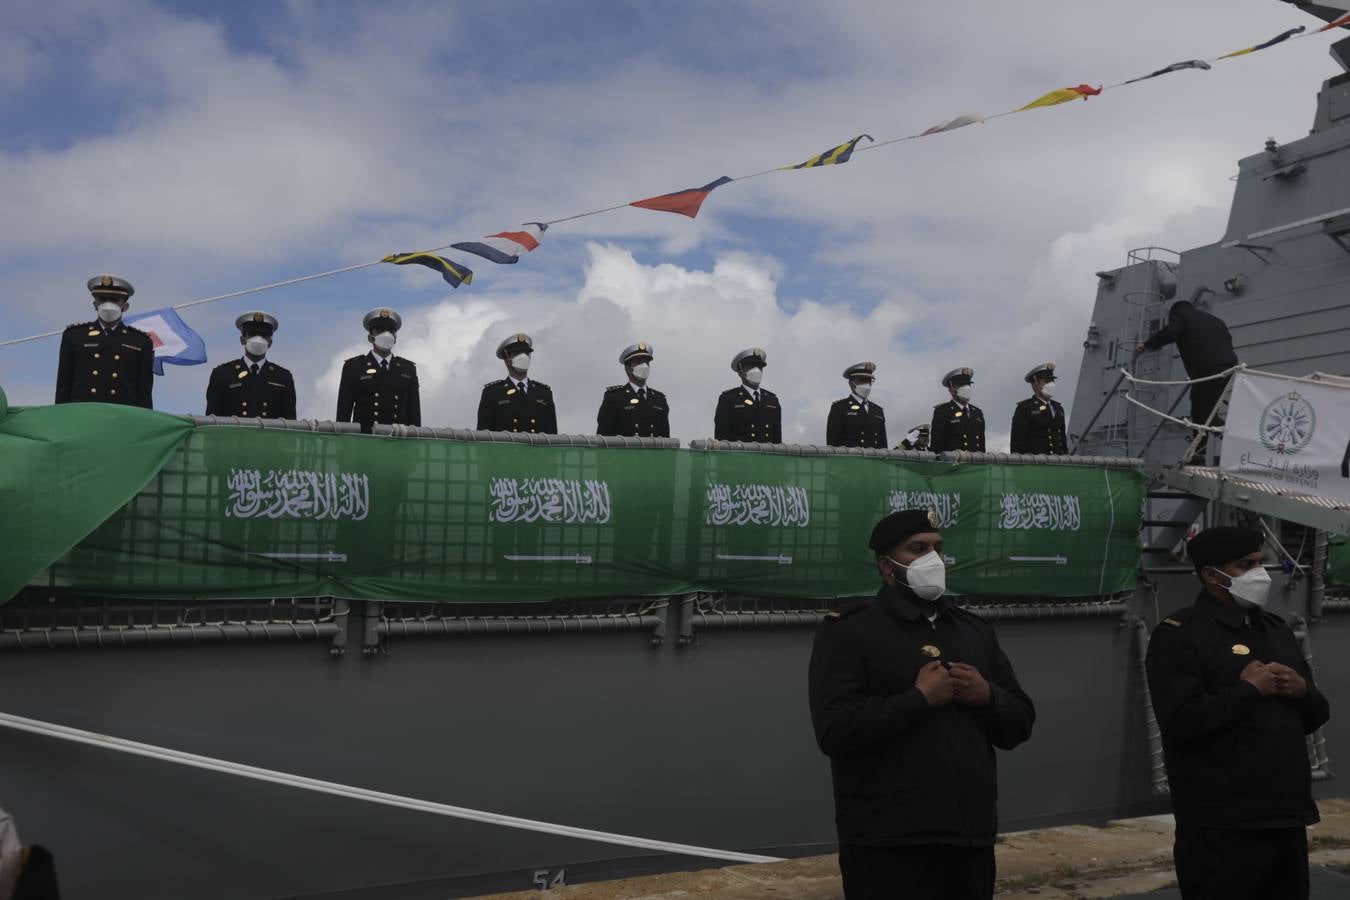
386	621
705	611
39	619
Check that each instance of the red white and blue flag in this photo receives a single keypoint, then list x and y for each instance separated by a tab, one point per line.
506	247
173	340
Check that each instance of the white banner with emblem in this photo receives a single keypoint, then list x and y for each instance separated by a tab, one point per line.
1291	433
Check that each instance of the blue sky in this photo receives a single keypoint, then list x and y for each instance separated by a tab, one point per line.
197	148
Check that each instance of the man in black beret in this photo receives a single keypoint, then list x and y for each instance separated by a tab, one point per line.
1234	699
910	694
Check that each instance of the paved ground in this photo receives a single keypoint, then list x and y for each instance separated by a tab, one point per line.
1130	858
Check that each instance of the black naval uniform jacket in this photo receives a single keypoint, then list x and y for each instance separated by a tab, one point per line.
740	417
906	773
855	424
1235	759
1038	427
1202	339
374	396
505	407
956	428
105	364
627	412
235	391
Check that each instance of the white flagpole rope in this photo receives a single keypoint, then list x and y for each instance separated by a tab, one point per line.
1215	377
1186	422
210	764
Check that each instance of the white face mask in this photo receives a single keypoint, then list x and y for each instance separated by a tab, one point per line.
1048	389
963	392
109	312
256	346
862	390
641	371
521	362
1251	588
926	576
385	341
754	376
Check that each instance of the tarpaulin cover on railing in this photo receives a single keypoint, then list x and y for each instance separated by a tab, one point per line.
1338	560
243	512
64	469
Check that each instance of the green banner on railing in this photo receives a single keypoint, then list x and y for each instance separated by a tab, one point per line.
1338	560
259	513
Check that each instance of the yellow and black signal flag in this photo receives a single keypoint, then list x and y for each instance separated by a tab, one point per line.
453	273
835	156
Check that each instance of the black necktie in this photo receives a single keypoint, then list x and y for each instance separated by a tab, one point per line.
521	385
384	365
642	393
253	368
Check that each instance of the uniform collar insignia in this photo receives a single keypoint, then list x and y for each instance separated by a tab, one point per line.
1229	614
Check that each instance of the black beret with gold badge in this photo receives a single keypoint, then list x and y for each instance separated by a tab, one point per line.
897	526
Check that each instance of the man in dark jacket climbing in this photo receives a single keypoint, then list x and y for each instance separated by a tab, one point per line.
910	695
1206	349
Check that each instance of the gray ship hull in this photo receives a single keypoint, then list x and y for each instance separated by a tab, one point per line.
708	744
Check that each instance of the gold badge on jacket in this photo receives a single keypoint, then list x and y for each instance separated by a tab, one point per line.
930	651
1241	649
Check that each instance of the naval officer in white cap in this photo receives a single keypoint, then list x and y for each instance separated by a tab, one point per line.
379	388
634	409
749	413
517	402
252	386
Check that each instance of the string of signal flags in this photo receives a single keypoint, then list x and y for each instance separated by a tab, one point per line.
507	247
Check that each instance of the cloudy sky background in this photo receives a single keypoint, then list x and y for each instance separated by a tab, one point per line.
197	150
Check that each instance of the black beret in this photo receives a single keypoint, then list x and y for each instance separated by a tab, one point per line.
1220	546
899	525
